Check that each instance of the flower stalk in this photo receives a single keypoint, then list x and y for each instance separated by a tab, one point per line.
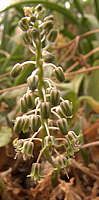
43	109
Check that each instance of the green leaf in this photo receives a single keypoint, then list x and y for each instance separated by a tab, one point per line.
4	39
24	74
71	96
93	85
78	129
50	5
93	24
79	6
67	33
96	3
92	102
5	136
78	81
64	86
17	50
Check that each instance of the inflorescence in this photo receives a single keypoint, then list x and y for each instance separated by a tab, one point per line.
43	109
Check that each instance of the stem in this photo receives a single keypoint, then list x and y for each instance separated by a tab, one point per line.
37	139
81	37
47	130
13	88
41	88
90	145
39	65
40	154
85	57
27	63
53	128
93	68
56	114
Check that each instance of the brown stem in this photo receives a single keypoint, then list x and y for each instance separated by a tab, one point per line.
85	56
4	75
80	37
82	70
13	88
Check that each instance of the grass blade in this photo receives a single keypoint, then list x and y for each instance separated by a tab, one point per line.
79	6
96	2
50	5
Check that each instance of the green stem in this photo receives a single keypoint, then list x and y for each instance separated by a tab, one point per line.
39	64
40	72
41	88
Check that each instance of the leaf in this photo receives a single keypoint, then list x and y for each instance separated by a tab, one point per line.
93	85
92	102
5	136
50	5
78	81
67	33
93	23
17	50
71	96
78	5
64	86
96	3
78	129
91	90
4	39
24	74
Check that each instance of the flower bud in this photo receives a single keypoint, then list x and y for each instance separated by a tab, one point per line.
49	18
72	136
18	144
28	11
45	110
28	148
37	100
63	125
59	74
24	23
35	122
70	149
29	100
73	140
49	141
63	162
15	142
33	18
34	34
16	70
48	57
55	97
52	35
59	112
66	107
32	82
26	38
48	25
36	171
18	124
48	90
23	106
26	124
39	8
